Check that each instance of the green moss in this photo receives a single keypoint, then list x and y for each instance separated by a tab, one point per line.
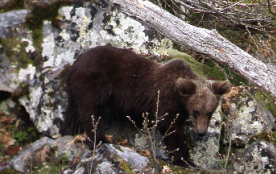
212	71
273	43
272	108
208	70
22	90
37	39
45	12
13	5
64	157
24	137
125	167
48	169
220	72
173	53
2	148
20	137
8	171
16	52
221	165
122	163
267	136
264	98
63	77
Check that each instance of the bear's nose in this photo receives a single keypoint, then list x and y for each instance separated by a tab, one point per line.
201	133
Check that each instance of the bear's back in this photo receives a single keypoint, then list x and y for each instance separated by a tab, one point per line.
112	62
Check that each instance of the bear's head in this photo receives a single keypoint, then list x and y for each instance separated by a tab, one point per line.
201	99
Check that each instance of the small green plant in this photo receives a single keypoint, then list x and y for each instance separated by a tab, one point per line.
23	137
2	148
49	169
20	137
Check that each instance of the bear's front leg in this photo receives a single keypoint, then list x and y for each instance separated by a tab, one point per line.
175	144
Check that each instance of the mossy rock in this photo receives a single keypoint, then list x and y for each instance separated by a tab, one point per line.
267	100
13	5
125	166
208	70
49	12
267	136
16	52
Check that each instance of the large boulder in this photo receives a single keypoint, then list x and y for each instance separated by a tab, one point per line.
77	158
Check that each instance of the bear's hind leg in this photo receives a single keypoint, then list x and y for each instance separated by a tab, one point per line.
95	125
92	99
71	124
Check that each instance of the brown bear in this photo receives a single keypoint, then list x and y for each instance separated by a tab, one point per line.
108	77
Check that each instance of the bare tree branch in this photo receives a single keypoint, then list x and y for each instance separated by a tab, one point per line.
270	8
252	15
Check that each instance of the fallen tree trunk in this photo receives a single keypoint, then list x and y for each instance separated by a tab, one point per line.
204	41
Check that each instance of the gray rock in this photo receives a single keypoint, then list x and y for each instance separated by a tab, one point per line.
111	158
9	80
79	170
19	161
259	157
142	143
11	19
105	167
108	158
249	116
136	162
11	26
36	152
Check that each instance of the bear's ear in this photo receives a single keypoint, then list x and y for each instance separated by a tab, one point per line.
221	87
185	86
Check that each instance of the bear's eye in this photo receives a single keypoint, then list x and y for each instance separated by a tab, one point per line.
195	113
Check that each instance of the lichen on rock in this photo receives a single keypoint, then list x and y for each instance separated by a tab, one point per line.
258	157
248	116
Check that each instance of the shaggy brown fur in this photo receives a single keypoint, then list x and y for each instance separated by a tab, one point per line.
124	81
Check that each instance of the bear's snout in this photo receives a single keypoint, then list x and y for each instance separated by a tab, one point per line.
201	124
201	132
